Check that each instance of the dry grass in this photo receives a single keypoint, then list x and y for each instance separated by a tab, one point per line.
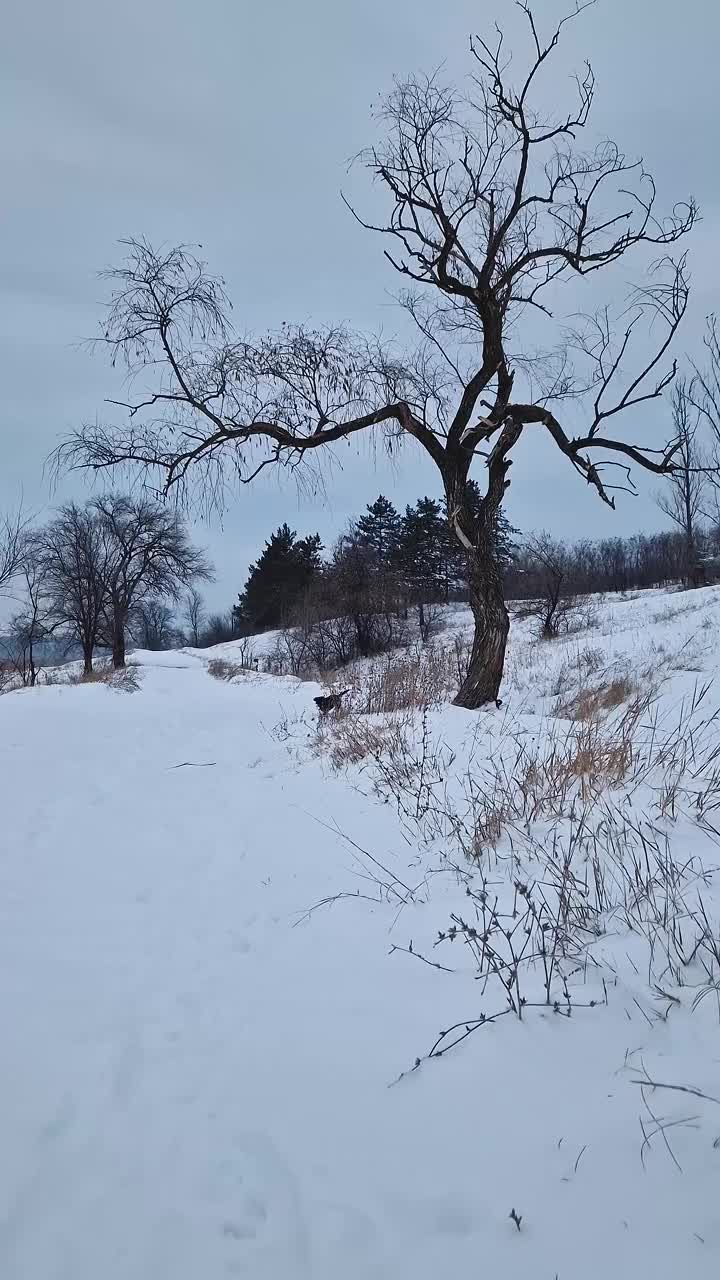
422	677
99	675
126	680
610	732
223	669
669	614
514	779
575	671
8	678
396	686
591	758
588	704
350	740
508	783
560	828
543	779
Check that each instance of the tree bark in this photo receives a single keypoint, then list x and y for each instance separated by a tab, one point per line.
87	659
33	668
478	537
118	646
694	568
492	625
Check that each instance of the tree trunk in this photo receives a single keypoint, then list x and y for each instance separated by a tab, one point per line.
492	624
87	659
694	569
33	669
118	646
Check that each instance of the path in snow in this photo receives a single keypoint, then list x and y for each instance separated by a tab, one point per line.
169	1025
192	1087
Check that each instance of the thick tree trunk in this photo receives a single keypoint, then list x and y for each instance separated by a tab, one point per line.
477	535
492	624
87	659
694	575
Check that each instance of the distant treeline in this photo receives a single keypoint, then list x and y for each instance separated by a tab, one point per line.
388	563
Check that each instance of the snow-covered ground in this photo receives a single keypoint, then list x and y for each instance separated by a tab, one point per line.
197	1068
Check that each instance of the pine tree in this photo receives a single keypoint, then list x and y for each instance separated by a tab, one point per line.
430	560
278	579
379	530
422	550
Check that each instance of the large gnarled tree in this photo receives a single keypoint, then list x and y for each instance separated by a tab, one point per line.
493	204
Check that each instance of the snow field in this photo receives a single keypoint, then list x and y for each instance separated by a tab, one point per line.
196	1072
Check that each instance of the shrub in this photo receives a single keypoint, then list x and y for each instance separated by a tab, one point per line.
127	679
222	669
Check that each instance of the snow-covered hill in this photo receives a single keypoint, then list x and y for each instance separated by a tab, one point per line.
224	935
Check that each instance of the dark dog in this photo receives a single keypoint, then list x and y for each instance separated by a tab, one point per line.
329	701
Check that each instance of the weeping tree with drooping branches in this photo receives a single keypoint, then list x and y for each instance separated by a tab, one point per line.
492	204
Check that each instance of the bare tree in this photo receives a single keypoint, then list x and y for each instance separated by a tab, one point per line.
545	569
684	498
13	537
146	554
153	625
705	396
74	556
218	629
492	204
194	616
31	625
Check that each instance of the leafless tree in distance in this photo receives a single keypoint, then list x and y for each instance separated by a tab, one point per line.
74	556
545	578
492	205
153	625
13	536
194	616
705	396
684	496
147	554
33	622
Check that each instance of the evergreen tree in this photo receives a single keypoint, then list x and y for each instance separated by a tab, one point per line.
432	563
423	549
379	530
278	579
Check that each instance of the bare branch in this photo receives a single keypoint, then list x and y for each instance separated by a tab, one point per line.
14	530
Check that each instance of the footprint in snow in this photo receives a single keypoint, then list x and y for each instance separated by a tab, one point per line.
443	1216
263	1227
248	1222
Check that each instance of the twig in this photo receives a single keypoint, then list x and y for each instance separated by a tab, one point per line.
394	879
647	1083
645	1016
443	1045
194	764
660	1127
328	902
408	951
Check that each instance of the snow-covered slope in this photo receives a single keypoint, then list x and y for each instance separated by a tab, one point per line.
196	1072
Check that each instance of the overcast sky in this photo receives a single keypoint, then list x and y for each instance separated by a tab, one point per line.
230	124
